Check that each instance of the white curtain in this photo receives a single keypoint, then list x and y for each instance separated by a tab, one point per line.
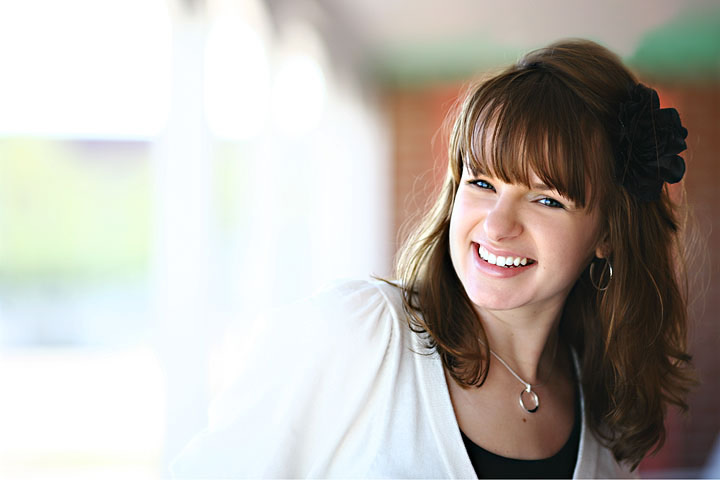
310	181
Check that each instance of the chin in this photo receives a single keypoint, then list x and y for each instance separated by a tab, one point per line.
489	301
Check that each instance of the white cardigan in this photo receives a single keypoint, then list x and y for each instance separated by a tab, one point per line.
339	386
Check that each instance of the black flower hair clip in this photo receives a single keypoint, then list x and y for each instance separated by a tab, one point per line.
649	142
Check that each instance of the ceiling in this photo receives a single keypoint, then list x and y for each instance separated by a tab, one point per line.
418	41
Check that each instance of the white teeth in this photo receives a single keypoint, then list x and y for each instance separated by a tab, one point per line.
500	260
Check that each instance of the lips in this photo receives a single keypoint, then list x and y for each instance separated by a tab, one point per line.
505	261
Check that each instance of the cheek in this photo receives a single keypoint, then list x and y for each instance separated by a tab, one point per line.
461	221
575	246
458	231
462	210
453	233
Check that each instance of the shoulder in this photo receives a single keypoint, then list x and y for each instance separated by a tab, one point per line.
307	388
354	308
358	296
347	326
594	459
597	461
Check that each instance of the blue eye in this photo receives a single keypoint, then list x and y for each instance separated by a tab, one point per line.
550	202
481	184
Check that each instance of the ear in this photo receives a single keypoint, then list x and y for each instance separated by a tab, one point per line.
602	249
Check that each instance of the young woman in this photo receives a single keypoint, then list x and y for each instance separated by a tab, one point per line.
538	324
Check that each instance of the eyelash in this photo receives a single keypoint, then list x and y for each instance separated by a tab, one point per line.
477	183
551	203
546	201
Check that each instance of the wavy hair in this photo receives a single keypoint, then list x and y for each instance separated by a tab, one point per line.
555	113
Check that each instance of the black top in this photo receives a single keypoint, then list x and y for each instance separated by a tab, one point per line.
560	465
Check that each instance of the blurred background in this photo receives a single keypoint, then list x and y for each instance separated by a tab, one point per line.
170	168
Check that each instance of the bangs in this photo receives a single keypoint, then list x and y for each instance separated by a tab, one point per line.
530	122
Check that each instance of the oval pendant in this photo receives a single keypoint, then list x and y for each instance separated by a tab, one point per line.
534	398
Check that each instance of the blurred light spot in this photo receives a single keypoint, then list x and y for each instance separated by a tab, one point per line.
298	95
76	410
299	89
84	68
236	79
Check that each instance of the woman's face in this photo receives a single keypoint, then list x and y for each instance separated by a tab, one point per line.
546	239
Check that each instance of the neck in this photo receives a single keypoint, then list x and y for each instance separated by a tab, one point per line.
525	344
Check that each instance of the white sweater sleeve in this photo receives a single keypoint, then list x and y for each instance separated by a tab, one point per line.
310	372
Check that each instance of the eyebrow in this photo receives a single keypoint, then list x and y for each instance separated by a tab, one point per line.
541	186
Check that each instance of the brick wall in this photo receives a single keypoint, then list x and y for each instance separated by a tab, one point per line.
417	116
419	149
699	107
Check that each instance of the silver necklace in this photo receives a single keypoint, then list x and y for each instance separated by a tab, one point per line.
528	390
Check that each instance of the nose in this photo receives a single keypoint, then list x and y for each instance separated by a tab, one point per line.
502	220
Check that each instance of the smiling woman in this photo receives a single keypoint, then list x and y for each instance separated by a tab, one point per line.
547	163
553	253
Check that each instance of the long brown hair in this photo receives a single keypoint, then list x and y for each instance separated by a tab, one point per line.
555	113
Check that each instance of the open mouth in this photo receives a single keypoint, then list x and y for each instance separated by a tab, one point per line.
503	261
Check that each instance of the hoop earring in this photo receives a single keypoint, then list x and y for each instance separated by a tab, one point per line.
592	274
